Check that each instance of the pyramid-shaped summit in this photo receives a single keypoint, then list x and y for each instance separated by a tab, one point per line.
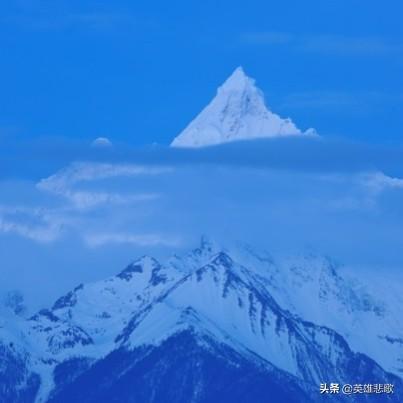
237	112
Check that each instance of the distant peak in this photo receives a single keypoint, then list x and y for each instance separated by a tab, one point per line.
239	70
101	142
237	112
237	80
241	86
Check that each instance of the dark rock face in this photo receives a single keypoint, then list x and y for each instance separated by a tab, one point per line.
68	300
17	384
127	273
157	276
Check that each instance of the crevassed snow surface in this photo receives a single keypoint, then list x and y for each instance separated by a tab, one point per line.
238	112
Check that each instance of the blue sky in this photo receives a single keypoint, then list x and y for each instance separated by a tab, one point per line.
138	72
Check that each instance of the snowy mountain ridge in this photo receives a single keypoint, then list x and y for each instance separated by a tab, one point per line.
238	112
298	315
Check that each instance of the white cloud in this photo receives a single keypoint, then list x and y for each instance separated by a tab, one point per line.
46	224
363	190
326	44
62	183
378	182
54	21
42	234
84	200
100	239
90	171
335	44
35	223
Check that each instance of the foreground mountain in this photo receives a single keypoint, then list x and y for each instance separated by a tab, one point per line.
212	326
238	112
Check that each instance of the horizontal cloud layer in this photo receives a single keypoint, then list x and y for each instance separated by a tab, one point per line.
76	221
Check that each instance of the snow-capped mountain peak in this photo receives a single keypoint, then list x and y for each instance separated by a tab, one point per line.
238	112
298	316
237	81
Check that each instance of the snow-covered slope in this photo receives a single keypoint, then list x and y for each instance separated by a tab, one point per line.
298	319
238	112
320	290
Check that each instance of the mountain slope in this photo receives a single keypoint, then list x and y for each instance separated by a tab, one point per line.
181	369
161	328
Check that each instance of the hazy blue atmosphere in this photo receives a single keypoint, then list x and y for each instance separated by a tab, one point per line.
137	74
85	220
